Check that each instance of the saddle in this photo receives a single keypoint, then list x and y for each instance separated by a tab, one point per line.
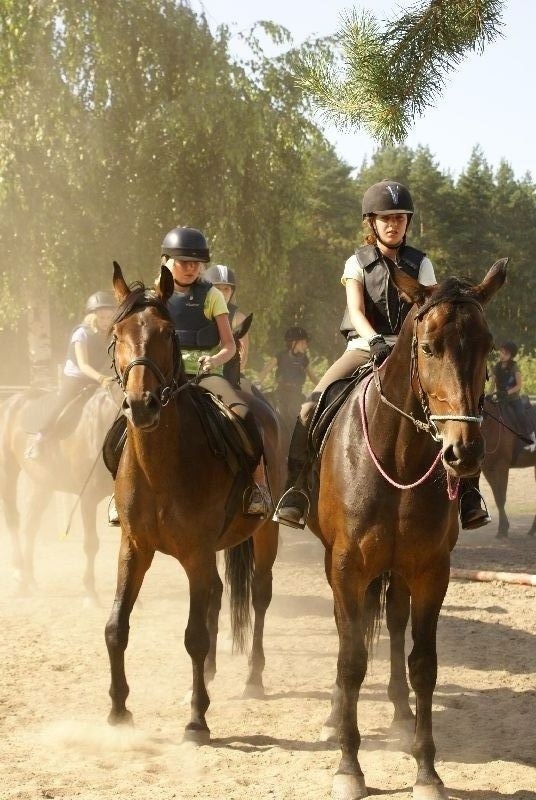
40	409
330	403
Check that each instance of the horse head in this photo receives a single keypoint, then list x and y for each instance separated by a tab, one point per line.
146	354
450	344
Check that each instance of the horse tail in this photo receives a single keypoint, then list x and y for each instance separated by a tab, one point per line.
375	599
239	567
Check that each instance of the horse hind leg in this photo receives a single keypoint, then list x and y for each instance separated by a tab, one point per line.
9	474
265	543
88	506
133	564
213	616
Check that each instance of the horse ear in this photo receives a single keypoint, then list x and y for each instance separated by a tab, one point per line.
410	290
493	281
120	285
243	327
165	285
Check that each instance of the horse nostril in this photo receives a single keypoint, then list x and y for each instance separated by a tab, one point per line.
152	401
125	404
449	454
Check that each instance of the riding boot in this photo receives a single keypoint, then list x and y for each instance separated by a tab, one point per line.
293	508
472	515
257	497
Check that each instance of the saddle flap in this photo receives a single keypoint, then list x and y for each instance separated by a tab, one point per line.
330	403
225	432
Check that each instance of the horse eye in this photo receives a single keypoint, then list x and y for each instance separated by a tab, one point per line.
427	350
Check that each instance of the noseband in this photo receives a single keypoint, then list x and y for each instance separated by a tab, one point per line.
167	388
430	419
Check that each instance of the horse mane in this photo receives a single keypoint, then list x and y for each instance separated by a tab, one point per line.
138	298
451	288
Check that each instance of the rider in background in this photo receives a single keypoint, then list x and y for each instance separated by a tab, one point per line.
291	371
508	382
372	321
88	363
224	279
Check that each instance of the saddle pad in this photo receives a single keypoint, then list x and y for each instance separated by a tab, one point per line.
331	401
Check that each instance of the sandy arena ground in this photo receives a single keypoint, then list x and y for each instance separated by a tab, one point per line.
55	742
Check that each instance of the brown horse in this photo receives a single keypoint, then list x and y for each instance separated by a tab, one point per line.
502	455
174	495
383	507
67	465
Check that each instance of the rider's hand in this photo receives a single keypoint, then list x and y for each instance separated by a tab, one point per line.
379	349
106	381
206	363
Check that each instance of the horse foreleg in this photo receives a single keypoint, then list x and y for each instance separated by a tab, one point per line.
265	550
213	616
36	500
88	506
397	615
200	570
427	593
348	593
532	529
133	563
498	480
9	475
330	728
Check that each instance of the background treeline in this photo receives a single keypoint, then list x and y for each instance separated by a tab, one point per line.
120	120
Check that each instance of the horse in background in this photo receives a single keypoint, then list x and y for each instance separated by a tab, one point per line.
503	453
67	464
176	495
383	505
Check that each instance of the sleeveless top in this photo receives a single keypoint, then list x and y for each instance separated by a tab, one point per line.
97	352
291	368
505	376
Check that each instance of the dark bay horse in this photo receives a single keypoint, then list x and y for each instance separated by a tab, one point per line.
66	465
385	511
173	496
501	456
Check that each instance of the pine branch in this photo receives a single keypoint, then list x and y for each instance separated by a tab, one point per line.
381	76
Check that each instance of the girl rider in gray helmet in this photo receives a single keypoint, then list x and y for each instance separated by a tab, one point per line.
372	321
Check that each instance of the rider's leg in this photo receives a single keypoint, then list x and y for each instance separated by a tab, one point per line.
293	507
69	389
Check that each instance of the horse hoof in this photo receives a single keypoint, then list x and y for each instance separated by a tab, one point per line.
91	601
329	734
120	718
348	787
430	792
195	735
253	691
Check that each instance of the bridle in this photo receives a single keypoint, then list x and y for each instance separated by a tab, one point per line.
429	425
168	387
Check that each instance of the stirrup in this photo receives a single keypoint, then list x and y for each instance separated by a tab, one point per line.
264	492
480	521
113	516
292	523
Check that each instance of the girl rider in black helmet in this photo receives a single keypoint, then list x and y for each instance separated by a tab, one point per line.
372	321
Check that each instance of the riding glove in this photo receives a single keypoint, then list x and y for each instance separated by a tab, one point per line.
379	349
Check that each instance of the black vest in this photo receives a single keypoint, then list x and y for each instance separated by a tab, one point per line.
384	308
291	368
187	314
505	375
97	349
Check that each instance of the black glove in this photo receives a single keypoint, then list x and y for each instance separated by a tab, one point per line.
379	349
502	395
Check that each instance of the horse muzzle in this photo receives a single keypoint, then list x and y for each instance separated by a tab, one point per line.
143	412
462	460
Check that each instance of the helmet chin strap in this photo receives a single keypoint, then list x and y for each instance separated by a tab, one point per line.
401	243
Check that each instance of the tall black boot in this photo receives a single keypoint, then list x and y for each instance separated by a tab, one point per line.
293	508
472	514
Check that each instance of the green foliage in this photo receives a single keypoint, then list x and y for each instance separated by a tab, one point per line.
379	77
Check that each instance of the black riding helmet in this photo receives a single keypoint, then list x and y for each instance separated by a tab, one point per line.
387	197
185	244
100	300
295	334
